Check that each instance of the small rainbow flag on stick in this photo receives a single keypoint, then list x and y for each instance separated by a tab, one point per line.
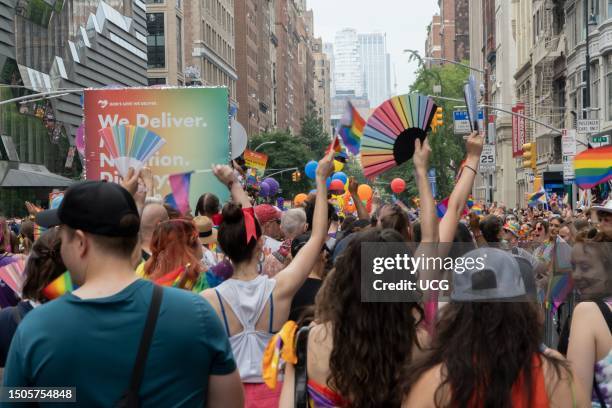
593	167
180	184
59	287
351	129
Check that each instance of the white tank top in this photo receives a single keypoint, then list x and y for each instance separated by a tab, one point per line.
248	299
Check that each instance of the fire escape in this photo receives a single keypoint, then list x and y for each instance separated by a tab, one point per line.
548	48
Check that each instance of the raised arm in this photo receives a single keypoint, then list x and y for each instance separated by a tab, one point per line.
290	279
429	219
463	187
362	212
226	175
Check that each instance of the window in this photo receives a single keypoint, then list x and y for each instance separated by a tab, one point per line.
157	81
156	47
155	1
609	8
179	44
609	80
595	80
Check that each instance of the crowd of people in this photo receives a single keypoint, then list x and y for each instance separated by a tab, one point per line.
247	304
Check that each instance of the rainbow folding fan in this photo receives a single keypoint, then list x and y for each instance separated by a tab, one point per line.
390	133
130	146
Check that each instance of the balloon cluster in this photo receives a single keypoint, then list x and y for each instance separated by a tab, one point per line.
268	187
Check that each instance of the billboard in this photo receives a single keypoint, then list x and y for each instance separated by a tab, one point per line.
170	130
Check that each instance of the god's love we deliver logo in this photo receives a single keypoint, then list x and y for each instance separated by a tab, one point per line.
170	130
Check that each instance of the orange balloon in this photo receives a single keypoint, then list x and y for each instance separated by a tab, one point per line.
349	205
364	192
299	199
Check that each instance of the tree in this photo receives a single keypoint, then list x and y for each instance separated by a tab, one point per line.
287	152
313	135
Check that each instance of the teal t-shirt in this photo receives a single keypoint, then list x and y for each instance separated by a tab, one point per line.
92	345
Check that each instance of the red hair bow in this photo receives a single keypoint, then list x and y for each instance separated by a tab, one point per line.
249	223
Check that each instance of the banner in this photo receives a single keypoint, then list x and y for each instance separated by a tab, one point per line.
256	161
170	130
518	130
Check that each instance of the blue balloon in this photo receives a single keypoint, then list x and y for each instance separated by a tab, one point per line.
264	189
328	182
313	191
311	169
340	176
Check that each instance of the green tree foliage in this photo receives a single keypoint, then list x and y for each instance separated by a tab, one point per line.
287	152
313	135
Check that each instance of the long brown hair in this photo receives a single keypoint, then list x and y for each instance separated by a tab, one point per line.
371	341
44	265
483	348
172	246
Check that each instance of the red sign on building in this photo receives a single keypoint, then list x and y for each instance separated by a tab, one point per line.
518	130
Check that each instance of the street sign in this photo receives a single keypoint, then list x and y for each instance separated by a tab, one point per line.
530	175
487	159
599	141
588	126
462	122
568	169
568	142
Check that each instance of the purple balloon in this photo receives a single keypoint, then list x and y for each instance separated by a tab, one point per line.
272	182
264	189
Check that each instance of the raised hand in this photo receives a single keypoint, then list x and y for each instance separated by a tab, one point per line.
421	155
353	186
326	165
474	145
130	182
224	173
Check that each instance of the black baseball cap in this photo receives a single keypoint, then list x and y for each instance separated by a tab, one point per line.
96	207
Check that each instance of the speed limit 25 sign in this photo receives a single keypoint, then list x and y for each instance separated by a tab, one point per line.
487	159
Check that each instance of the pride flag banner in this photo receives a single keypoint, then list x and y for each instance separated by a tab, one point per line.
180	185
593	167
351	129
59	287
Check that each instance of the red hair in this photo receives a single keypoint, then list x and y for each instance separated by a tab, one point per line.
173	246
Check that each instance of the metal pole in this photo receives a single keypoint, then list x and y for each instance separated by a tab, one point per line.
587	70
41	95
282	171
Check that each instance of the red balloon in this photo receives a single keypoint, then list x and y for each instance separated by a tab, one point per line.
398	185
336	185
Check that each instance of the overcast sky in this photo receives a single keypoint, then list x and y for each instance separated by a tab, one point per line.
404	21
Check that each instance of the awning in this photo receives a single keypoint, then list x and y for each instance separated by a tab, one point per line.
24	175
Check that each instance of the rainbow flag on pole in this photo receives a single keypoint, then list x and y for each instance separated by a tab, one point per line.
539	197
593	167
351	129
180	184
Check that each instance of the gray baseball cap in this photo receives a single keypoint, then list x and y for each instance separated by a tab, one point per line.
493	274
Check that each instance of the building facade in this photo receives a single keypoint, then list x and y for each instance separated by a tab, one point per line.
433	43
165	45
51	45
322	84
376	66
348	71
455	29
209	44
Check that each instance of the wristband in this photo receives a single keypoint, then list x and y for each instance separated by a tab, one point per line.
471	168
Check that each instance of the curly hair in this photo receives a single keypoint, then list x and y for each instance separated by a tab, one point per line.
172	247
371	341
483	348
44	265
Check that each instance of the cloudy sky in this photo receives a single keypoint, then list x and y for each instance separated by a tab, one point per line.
404	21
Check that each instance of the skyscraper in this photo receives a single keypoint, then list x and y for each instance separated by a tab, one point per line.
375	64
348	72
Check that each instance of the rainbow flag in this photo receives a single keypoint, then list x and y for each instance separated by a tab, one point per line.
539	197
442	208
593	167
476	209
335	145
59	287
470	201
38	230
180	184
351	129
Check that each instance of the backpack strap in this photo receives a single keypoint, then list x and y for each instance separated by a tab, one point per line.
131	398
301	373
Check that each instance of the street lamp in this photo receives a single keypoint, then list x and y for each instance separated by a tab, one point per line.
455	63
263	144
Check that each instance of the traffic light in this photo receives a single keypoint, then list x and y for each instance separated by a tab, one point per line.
298	175
530	156
438	119
294	176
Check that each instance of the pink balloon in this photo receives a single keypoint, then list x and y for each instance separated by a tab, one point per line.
398	185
